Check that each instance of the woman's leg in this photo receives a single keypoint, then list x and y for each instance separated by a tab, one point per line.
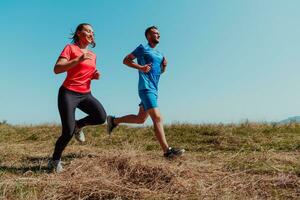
67	103
96	113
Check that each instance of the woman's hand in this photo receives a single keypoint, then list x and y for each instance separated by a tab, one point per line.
85	56
96	75
63	65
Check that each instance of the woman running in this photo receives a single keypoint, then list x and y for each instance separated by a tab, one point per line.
80	64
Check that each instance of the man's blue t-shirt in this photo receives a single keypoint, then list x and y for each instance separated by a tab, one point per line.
145	54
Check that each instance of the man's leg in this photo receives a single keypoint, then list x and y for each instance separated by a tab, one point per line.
140	118
158	128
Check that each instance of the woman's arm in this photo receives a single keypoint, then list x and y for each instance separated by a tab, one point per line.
63	65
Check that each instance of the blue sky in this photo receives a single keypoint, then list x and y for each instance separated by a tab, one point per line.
228	60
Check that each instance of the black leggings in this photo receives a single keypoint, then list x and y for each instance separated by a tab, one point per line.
68	101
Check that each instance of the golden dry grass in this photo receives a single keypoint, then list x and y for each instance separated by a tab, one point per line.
244	161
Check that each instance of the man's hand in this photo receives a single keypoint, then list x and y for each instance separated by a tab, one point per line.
146	68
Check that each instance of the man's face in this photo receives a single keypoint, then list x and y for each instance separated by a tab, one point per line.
153	36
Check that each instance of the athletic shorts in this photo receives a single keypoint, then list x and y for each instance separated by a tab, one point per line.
148	99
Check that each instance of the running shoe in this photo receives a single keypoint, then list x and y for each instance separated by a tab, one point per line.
173	152
55	166
110	124
79	135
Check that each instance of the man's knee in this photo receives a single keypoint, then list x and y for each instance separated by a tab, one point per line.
141	119
157	118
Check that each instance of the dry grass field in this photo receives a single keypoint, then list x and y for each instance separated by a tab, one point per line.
236	161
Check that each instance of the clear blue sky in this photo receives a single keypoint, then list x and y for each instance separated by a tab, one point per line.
228	60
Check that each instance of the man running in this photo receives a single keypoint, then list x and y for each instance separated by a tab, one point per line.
150	64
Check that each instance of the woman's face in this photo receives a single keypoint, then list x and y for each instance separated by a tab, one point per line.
86	35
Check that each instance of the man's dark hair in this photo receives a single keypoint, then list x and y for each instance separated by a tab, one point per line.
75	38
149	29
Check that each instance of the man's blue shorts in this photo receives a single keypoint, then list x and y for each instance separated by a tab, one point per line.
148	98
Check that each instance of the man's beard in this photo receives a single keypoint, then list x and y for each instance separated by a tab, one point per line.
155	41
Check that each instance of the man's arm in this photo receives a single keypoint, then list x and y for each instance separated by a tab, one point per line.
164	65
128	60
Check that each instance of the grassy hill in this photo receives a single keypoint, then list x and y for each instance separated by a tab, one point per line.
244	161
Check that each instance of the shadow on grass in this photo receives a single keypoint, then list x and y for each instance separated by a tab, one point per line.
38	164
22	170
67	157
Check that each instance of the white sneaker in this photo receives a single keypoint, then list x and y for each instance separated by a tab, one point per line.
79	135
55	166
